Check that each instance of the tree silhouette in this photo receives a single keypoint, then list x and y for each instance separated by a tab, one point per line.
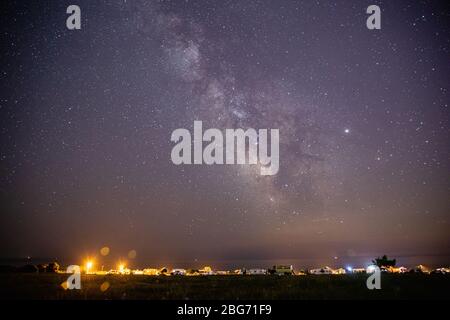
384	262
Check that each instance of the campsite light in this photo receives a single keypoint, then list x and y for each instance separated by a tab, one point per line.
89	265
371	268
121	268
349	269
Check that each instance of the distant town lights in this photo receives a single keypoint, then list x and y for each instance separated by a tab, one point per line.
371	269
89	265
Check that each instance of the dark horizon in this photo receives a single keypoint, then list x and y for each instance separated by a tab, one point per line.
87	116
408	261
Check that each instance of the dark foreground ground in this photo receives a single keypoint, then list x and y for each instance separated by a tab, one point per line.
48	286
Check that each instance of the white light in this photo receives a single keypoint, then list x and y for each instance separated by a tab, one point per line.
347	130
371	269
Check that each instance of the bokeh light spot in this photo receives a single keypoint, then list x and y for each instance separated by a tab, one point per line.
104	251
104	286
132	254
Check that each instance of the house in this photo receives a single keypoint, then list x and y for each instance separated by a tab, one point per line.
222	273
256	271
100	273
163	271
441	271
301	273
339	271
206	271
125	271
151	272
396	270
420	269
112	271
325	270
358	270
282	270
137	272
178	272
402	269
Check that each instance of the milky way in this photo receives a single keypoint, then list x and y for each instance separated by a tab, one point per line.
87	115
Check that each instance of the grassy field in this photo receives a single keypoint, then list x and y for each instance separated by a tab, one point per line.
48	286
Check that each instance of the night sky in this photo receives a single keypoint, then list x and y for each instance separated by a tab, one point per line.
86	118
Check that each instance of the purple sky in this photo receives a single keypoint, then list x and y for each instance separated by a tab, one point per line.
86	119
